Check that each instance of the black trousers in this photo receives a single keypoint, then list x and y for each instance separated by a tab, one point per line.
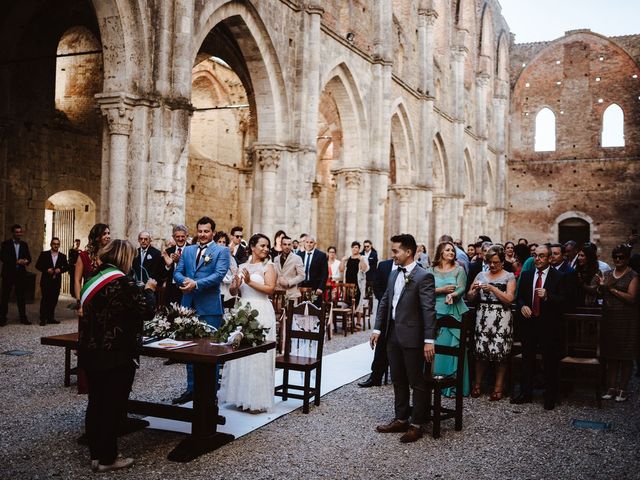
380	362
49	300
108	394
407	372
9	283
540	334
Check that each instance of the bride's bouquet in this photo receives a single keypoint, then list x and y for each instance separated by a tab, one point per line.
178	322
240	326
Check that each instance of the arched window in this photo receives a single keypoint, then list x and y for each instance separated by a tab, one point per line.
613	126
545	139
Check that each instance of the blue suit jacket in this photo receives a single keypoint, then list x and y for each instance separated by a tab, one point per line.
205	299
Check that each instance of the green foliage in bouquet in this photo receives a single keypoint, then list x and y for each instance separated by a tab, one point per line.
241	318
177	322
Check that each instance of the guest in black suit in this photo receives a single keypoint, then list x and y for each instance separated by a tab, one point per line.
540	299
407	314
558	262
316	268
72	258
380	362
371	255
15	257
478	265
52	264
238	250
170	256
148	262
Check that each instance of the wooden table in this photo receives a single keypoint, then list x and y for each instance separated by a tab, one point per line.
203	416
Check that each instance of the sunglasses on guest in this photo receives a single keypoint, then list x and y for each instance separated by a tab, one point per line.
618	257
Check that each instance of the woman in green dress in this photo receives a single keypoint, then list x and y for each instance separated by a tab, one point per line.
451	281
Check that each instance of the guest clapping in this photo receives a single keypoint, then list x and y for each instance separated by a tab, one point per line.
495	290
451	281
619	332
110	334
222	239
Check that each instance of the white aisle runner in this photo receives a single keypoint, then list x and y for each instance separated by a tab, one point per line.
338	369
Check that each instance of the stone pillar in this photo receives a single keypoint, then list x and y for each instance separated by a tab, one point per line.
269	160
119	116
348	213
402	212
316	188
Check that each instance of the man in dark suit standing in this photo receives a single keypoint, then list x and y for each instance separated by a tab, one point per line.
540	300
148	261
15	257
407	315
238	251
316	268
72	258
171	256
380	362
52	264
371	255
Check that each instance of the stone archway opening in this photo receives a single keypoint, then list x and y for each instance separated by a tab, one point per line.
223	129
68	215
574	228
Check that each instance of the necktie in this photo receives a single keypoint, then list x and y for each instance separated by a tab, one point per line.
306	267
179	250
143	254
535	310
283	259
201	249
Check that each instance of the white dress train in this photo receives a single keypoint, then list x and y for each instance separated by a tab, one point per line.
249	382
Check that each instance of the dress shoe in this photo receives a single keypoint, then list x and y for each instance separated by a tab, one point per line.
25	321
395	426
43	323
118	464
520	399
3	322
370	382
414	433
184	398
54	321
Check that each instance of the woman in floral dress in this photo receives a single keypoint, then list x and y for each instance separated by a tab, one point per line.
494	290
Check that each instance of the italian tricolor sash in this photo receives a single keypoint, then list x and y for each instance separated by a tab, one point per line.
97	282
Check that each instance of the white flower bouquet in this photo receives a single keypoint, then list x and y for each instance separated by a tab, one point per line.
178	322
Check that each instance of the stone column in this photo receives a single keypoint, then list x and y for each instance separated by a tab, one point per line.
269	160
119	116
349	209
402	212
316	188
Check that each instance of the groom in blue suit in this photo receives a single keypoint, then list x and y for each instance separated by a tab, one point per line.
200	270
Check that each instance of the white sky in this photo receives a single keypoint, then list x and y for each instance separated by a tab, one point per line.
541	20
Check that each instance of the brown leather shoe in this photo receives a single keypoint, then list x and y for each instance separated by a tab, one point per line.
414	433
395	426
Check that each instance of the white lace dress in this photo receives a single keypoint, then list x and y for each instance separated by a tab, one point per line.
249	382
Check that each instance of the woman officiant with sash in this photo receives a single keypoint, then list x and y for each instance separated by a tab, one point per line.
109	337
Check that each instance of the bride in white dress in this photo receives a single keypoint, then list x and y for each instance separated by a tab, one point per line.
249	382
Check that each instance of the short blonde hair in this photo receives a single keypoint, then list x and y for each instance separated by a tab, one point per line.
119	253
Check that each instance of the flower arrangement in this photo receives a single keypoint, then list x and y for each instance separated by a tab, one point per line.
240	326
178	322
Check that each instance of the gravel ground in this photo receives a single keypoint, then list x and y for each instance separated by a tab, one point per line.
41	420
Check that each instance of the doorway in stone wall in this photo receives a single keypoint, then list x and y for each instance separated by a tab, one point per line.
68	215
575	229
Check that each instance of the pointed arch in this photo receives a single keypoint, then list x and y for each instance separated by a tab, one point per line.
469	178
403	143
340	83
502	57
486	37
613	126
545	134
257	52
440	166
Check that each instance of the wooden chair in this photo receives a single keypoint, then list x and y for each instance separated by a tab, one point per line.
437	383
314	331
581	359
306	294
367	306
229	303
344	306
279	302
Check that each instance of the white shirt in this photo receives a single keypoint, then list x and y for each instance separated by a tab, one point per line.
545	272
54	258
308	257
17	247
